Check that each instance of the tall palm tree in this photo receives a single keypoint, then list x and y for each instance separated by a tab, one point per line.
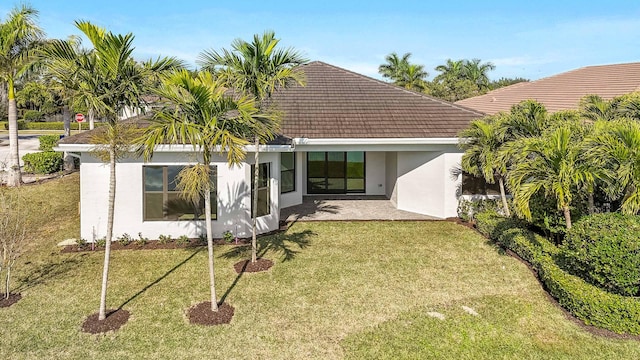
551	164
413	78
19	36
452	70
200	114
395	66
593	108
482	142
617	145
257	68
477	71
107	78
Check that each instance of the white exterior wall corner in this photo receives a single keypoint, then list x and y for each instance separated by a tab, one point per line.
233	200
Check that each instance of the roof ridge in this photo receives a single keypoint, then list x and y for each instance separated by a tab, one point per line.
398	88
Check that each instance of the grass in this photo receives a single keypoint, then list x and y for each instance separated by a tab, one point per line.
337	289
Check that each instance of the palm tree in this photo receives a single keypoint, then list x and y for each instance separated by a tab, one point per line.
481	143
551	164
413	78
477	72
258	69
107	79
451	71
201	115
617	145
19	36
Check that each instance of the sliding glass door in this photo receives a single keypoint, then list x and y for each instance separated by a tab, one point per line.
335	172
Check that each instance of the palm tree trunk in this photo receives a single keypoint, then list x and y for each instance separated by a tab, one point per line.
591	208
66	118
15	176
503	195
107	247
212	278
567	216
254	207
91	121
6	293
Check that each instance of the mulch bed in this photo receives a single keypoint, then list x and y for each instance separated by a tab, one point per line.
152	245
201	314
249	267
114	320
567	314
13	298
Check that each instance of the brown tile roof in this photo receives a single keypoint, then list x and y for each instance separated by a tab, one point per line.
337	103
562	91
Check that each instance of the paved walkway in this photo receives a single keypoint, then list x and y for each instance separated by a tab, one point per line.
347	208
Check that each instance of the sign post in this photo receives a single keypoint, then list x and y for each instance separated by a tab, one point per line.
79	120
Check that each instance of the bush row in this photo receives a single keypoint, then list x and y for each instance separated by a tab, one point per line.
594	306
43	162
51	125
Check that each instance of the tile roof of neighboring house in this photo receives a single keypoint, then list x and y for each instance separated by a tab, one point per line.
562	91
337	103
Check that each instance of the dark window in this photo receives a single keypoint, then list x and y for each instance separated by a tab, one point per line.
162	200
335	172
264	189
287	172
472	185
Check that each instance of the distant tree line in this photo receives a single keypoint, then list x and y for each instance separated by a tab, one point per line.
456	79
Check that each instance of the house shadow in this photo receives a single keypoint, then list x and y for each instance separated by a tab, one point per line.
159	279
285	244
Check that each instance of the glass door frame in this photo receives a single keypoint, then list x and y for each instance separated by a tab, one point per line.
345	189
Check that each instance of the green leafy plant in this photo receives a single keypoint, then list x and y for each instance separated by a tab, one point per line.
227	236
125	239
141	240
164	239
47	142
43	162
33	115
604	249
81	242
183	240
101	242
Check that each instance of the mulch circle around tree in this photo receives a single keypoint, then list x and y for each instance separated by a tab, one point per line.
201	314
114	320
13	298
251	267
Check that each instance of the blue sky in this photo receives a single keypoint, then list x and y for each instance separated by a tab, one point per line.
530	39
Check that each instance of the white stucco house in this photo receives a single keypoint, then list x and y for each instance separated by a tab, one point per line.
343	133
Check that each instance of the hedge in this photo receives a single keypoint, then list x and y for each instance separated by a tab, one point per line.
43	162
51	125
48	142
594	306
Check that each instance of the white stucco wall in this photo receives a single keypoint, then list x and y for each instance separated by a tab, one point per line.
233	199
375	179
391	175
425	183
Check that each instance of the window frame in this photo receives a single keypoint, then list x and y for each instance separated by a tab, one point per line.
166	192
267	187
292	171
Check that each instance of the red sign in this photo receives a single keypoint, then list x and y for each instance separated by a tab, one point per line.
79	118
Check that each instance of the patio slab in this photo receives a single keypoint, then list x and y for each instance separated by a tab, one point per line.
347	208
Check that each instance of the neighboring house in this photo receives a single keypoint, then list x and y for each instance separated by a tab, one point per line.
562	91
343	133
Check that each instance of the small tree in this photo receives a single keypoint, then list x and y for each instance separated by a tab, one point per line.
13	232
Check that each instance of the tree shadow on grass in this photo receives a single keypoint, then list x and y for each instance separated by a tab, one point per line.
156	281
42	273
283	243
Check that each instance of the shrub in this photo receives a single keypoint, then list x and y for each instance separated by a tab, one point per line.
604	249
469	208
33	115
43	162
47	142
164	239
227	236
102	242
620	314
125	239
21	125
141	240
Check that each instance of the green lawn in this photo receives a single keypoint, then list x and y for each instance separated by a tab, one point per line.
354	290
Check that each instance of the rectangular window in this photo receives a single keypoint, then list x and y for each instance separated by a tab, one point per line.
162	200
336	172
287	172
264	188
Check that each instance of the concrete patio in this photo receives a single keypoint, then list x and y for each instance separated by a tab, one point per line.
331	208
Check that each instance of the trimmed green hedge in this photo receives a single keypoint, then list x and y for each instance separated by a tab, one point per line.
47	142
594	306
51	125
43	162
